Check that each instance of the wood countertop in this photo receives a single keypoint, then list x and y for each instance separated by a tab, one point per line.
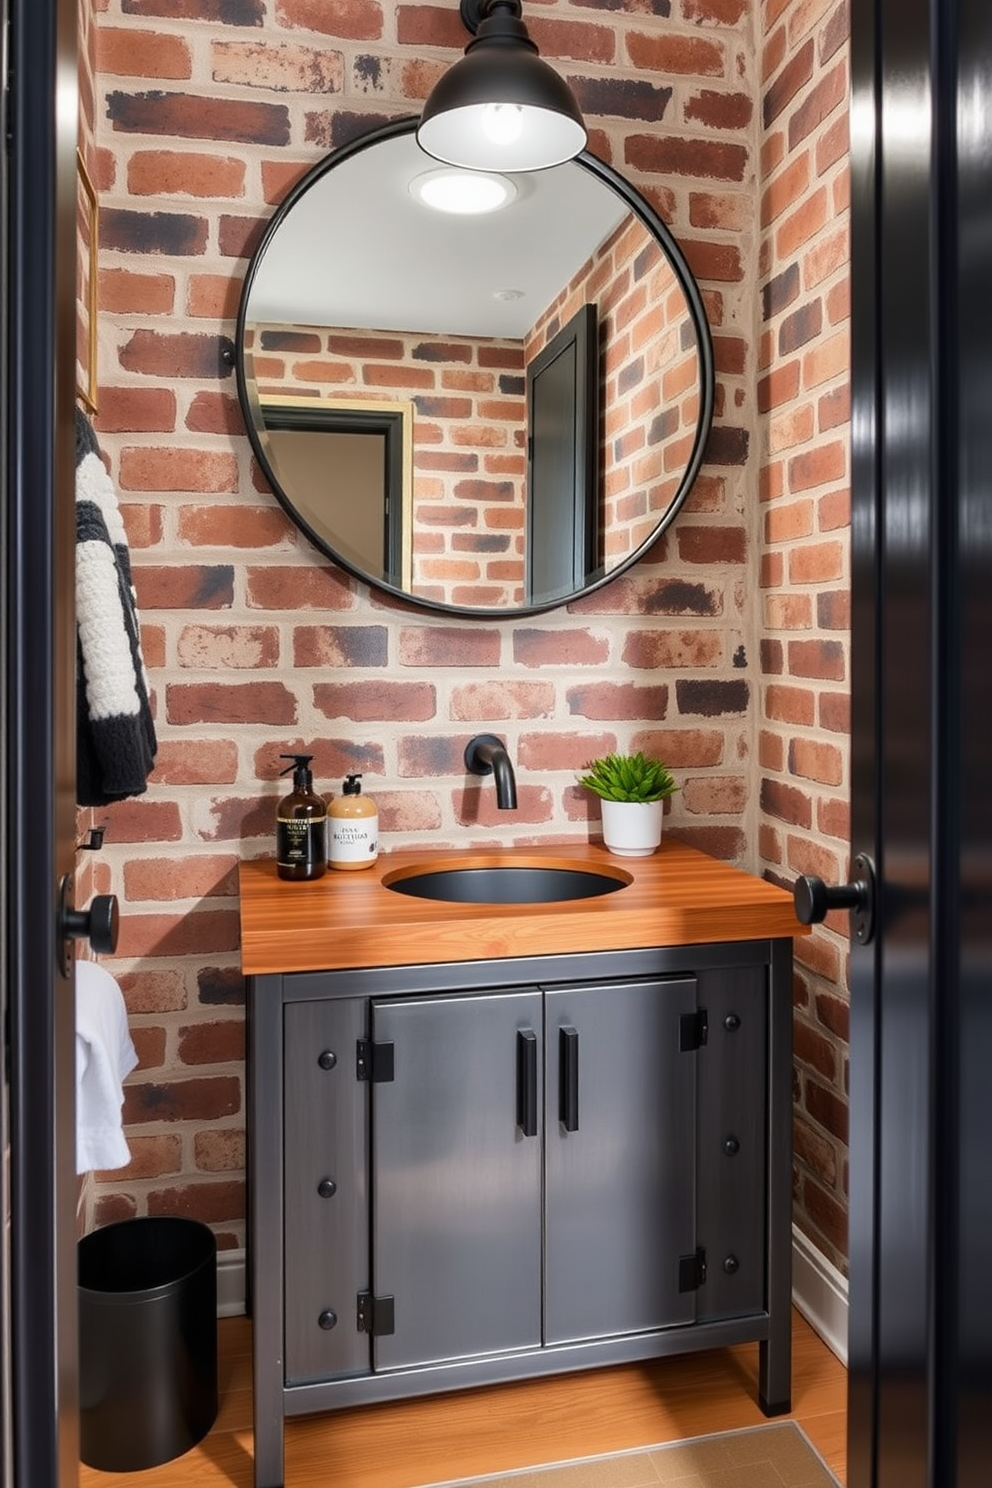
350	919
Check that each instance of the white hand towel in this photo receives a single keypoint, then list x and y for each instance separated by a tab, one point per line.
105	1056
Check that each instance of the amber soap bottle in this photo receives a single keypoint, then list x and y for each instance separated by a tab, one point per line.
301	825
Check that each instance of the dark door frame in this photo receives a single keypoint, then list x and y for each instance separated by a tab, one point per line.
920	1341
38	740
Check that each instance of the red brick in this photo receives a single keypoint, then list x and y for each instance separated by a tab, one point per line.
340	646
213	1043
835	712
219	1150
233	526
786	803
715	795
666	155
823	660
814	1151
132	410
793	705
712	544
448	646
187	934
351	20
802	224
301	588
822	763
184	354
125	292
826	1108
720	110
786	188
213	296
188	587
672	54
779	387
376	702
142	821
184	173
187	116
811	1048
481	702
207	1202
827	1216
833	819
564	751
151	468
153	991
788	612
129	52
181	877
278	69
670	649
241	702
533	647
725	843
829	93
794	75
199	762
817	563
617	700
151	1157
834	1014
719	12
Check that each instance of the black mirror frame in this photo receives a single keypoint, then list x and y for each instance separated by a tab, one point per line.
654	225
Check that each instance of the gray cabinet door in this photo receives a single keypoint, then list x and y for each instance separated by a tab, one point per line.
326	1199
620	1158
456	1182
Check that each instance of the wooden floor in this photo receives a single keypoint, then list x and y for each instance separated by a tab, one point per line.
505	1427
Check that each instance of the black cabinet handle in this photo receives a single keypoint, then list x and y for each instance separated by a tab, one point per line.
568	1078
527	1081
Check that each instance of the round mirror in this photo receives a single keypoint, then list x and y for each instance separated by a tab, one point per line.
486	394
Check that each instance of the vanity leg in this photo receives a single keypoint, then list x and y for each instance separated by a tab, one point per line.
775	1352
265	1242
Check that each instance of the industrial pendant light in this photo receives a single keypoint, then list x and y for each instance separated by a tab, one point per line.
500	107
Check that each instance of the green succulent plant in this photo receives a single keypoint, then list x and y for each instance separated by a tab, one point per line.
628	777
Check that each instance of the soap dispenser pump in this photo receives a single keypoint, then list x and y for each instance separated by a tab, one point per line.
301	825
353	827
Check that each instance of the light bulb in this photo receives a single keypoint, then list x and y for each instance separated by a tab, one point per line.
502	123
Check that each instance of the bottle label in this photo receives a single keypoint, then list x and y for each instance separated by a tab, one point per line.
301	843
354	840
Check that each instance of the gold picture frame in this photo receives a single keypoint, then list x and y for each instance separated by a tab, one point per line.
87	258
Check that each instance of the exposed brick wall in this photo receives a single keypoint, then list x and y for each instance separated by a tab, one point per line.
803	398
205	115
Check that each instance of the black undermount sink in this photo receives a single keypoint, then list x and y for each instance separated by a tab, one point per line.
507	884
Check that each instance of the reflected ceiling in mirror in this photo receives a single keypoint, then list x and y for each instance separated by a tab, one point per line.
548	363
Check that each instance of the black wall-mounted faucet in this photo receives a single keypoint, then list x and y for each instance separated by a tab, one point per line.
486	755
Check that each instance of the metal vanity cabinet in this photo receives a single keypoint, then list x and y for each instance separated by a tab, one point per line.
463	1174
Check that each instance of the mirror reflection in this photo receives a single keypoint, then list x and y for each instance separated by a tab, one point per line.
484	411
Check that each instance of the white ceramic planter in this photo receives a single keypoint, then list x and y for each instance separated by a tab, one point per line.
632	829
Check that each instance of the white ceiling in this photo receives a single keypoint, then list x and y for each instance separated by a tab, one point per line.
357	250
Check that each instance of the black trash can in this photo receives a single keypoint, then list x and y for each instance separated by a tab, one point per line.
147	1341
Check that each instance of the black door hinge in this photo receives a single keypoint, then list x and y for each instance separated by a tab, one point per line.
692	1271
375	1315
374	1061
694	1030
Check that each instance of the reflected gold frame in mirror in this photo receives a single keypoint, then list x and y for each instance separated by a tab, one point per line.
350	414
87	264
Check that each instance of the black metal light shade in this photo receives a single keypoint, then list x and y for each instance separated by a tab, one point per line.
501	107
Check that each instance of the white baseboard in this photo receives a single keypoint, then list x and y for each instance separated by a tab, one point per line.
819	1291
231	1278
